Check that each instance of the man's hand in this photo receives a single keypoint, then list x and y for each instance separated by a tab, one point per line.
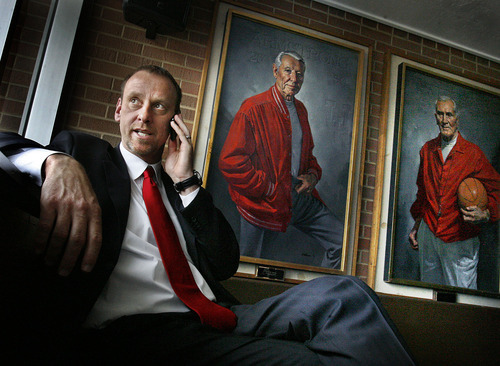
70	216
475	215
413	234
309	181
179	161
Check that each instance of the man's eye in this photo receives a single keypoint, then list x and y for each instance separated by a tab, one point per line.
159	106
134	102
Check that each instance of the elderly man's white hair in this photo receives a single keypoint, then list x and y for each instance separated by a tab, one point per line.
444	98
295	55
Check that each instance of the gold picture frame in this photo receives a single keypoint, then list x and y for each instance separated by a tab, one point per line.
410	91
334	93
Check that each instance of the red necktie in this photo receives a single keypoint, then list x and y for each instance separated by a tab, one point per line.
175	262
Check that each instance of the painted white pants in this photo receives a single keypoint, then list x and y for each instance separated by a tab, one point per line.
452	264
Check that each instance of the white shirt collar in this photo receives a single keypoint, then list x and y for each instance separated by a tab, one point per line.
136	165
451	143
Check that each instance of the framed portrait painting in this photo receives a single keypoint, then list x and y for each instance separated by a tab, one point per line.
333	94
418	93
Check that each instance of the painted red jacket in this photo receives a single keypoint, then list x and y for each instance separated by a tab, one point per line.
256	159
438	184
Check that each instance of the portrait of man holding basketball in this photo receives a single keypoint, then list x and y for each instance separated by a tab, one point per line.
458	190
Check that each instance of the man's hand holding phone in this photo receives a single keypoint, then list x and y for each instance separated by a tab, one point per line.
179	161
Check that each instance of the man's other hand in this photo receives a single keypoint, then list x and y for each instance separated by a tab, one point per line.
412	237
308	182
475	215
70	216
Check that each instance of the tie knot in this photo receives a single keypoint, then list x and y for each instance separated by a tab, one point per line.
149	172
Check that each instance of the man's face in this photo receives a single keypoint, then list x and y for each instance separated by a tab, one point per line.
289	76
446	120
144	114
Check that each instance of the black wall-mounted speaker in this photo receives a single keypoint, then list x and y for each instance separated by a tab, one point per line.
157	16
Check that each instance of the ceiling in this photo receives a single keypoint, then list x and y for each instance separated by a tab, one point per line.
469	25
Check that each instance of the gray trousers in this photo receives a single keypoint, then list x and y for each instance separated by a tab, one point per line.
452	264
332	320
310	216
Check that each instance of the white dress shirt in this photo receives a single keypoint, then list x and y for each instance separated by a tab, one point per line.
138	283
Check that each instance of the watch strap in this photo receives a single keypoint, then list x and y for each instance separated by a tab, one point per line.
194	180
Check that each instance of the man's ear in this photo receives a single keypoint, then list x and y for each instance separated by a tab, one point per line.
275	71
118	110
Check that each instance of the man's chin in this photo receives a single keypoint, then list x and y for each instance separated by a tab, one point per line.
446	136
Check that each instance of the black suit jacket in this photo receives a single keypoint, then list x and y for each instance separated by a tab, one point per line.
210	240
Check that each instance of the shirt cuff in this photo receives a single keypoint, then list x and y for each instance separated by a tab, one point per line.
188	198
30	161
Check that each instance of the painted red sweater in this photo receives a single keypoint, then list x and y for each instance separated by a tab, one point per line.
256	159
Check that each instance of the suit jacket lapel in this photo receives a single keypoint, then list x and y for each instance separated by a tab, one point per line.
118	186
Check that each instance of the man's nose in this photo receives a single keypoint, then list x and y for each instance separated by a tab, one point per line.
145	113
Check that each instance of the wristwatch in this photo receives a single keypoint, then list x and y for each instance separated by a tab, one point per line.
194	180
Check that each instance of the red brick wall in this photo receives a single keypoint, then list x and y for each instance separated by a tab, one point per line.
112	47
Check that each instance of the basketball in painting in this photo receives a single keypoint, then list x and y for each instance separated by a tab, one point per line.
471	192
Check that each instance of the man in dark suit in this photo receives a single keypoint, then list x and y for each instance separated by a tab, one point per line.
103	269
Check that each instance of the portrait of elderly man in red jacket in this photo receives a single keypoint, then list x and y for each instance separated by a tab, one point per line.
446	235
267	160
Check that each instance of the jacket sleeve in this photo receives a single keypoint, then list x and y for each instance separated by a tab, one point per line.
10	142
18	189
215	239
490	178
239	161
